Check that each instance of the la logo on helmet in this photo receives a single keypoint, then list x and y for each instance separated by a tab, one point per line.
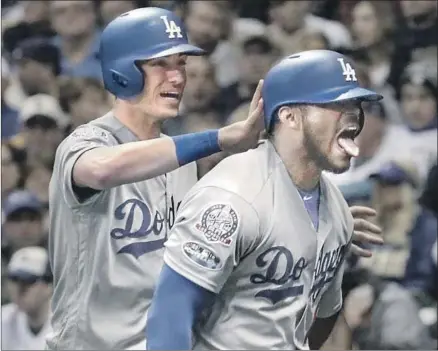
347	71
171	28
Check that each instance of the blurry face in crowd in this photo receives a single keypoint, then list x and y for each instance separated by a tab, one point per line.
418	105
165	79
9	172
390	202
366	27
290	15
42	138
30	296
257	59
35	77
110	9
73	18
202	88
204	24
23	228
372	133
35	11
327	132
92	104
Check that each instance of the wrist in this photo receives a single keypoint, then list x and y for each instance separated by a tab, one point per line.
224	139
192	147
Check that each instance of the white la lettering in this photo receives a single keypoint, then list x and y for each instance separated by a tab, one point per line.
171	28
348	71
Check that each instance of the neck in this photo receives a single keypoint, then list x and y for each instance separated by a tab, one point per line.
38	318
142	125
303	171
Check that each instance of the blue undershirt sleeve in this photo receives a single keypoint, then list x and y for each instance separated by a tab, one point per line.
176	305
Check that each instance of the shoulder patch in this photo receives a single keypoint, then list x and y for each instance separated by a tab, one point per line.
219	223
201	255
90	133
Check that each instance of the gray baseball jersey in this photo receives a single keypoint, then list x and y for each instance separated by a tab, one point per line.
243	233
106	252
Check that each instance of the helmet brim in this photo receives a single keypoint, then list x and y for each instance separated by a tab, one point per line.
185	49
358	93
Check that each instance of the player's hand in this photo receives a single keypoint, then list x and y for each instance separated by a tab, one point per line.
244	135
365	231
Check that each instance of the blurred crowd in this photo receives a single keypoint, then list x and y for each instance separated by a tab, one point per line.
51	83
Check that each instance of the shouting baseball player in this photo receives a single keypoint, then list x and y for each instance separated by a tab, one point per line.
117	184
255	258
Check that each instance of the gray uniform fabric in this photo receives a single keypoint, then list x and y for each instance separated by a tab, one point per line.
106	252
243	233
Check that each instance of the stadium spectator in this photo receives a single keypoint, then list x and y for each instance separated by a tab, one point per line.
110	9
399	216
44	128
289	18
75	23
23	221
418	100
25	321
83	99
205	22
257	53
36	64
372	26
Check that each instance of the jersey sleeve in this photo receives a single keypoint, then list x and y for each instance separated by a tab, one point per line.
84	138
213	230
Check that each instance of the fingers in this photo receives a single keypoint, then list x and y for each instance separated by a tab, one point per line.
358	251
256	97
255	117
362	211
366	226
367	238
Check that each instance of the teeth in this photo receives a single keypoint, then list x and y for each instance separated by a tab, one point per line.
170	94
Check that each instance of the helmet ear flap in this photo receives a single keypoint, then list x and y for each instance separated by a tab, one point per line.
126	85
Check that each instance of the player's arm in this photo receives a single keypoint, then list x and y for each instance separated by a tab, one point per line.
107	167
204	247
321	330
178	303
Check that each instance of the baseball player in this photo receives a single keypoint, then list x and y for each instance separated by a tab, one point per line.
257	251
117	184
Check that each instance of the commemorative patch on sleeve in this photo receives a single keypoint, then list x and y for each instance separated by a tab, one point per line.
201	256
219	223
90	133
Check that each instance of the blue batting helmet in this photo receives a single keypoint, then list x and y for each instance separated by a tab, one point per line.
311	77
140	34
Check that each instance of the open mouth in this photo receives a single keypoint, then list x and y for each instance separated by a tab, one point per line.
346	140
174	96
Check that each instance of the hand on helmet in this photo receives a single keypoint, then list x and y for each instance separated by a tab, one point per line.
244	135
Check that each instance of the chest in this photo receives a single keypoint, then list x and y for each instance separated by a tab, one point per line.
293	260
140	215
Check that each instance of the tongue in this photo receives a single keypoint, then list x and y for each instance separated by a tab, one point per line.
349	146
